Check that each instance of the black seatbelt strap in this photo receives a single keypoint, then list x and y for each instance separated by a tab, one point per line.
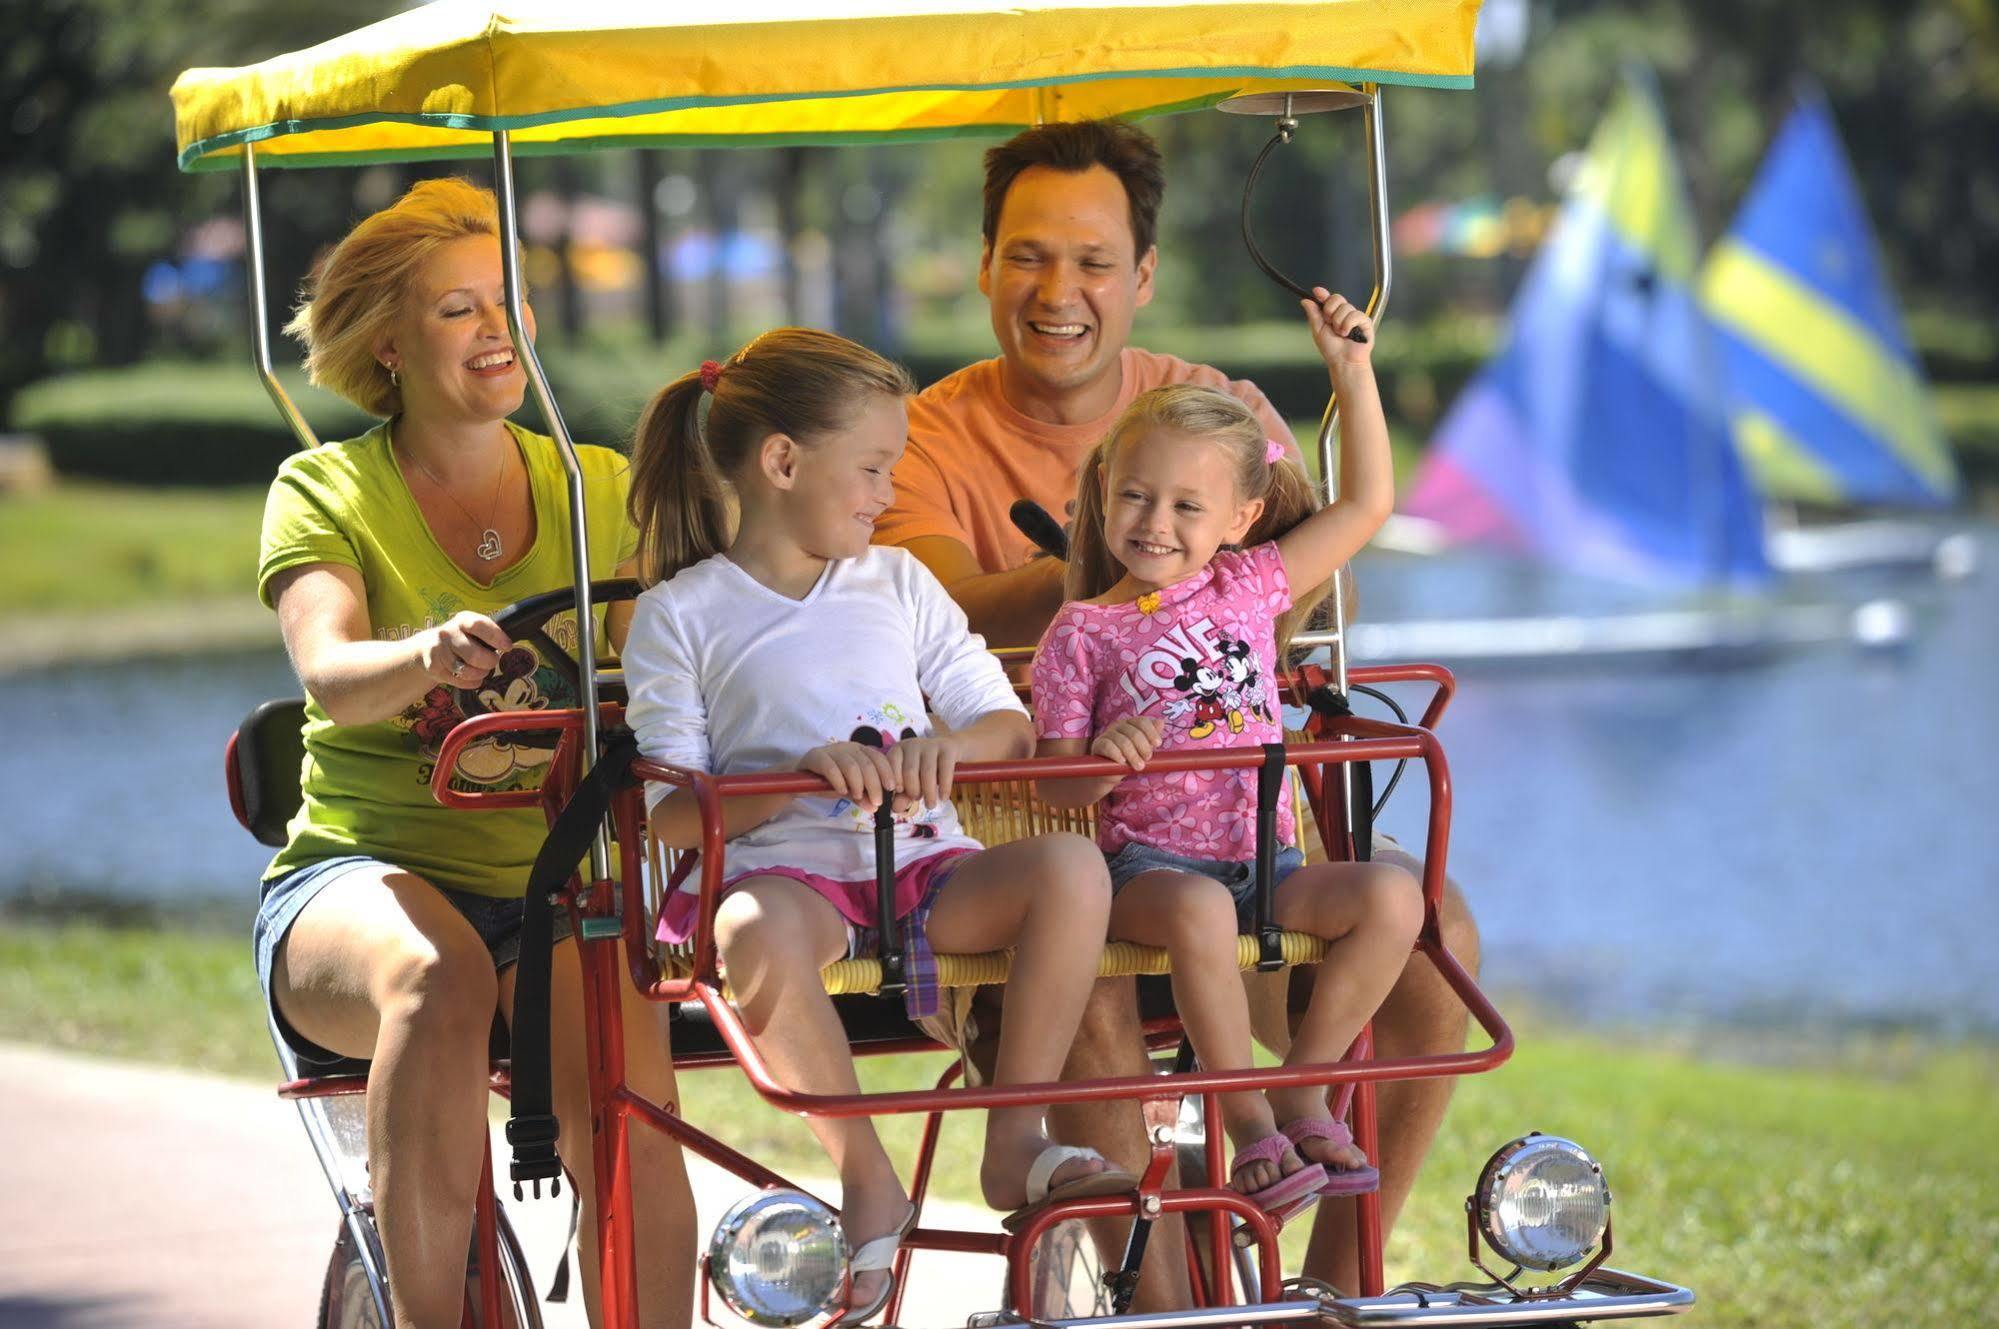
1332	705
532	1128
890	949
1269	785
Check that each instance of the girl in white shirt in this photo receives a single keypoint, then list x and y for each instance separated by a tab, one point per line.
766	649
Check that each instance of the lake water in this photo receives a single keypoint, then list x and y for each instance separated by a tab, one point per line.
1808	838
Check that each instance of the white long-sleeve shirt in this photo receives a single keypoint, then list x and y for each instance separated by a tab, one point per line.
727	676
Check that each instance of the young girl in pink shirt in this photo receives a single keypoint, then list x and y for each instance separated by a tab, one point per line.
1194	540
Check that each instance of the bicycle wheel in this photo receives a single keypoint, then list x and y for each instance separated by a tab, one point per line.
348	1298
1068	1276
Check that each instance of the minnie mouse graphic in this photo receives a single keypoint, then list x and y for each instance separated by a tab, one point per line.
1246	689
878	729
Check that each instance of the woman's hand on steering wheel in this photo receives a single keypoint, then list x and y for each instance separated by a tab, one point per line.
463	650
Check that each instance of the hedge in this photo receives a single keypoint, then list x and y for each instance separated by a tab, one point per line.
202	423
173	423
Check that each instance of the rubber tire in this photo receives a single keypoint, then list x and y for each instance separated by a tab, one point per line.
344	1298
346	1303
1068	1276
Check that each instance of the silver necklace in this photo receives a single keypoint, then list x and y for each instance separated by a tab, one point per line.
489	538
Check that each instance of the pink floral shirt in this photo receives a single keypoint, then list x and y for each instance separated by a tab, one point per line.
1201	657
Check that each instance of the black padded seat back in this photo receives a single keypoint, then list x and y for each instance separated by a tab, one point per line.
867	1018
265	763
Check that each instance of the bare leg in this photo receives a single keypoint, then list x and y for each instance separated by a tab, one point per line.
1421	1016
380	965
662	1202
1049	898
775	935
1369	912
1194	918
1110	1044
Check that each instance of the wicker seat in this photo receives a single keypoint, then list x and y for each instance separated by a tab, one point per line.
992	814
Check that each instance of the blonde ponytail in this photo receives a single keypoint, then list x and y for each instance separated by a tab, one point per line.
679	501
795	381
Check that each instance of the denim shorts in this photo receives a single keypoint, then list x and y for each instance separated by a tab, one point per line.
497	921
1239	878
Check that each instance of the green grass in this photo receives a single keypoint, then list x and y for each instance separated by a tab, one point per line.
1791	1185
181	997
81	546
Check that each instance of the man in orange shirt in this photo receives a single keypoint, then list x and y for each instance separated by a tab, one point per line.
1070	215
1068	259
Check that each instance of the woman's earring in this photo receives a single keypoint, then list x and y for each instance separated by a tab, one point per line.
395	376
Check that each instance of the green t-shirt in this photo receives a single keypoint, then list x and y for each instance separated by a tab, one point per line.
367	787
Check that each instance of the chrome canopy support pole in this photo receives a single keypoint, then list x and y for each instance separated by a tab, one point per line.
579	532
1377	306
260	327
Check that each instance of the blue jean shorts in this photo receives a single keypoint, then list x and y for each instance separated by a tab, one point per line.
1239	878
497	921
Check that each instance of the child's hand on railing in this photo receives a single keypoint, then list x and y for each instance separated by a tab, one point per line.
854	770
1129	742
923	770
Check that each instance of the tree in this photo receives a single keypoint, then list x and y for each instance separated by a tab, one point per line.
89	192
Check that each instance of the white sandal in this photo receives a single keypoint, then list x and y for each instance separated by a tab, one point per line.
1110	1181
876	1256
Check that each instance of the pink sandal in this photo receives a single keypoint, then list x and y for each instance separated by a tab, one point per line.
1339	1181
1294	1191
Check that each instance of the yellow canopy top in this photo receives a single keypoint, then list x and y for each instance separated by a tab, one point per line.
563	75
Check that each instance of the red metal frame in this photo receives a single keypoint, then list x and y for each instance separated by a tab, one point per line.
232	774
615	1107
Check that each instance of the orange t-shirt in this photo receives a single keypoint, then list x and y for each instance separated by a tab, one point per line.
971	454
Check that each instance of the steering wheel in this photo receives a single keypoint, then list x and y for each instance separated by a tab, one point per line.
527	621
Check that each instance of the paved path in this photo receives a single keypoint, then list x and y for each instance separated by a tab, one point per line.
133	1197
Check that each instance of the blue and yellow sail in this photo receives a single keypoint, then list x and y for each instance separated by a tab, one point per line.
1596	439
1827	399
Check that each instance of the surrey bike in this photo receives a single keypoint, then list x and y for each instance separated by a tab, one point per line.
453	81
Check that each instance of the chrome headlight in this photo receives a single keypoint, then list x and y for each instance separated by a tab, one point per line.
778	1258
1542	1202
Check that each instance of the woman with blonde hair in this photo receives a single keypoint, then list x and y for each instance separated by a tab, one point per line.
388	924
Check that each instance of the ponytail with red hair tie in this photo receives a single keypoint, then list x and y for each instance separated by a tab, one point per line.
711	374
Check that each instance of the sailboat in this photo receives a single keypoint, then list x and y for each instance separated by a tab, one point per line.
1827	401
1598	440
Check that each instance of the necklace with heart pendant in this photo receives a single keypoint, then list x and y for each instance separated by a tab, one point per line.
490	546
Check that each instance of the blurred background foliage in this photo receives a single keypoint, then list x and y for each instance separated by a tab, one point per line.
116	269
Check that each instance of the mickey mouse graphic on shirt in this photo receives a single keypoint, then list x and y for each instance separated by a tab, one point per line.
521	682
1221	691
1210	705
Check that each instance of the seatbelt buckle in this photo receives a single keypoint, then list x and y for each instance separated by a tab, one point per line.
1269	949
535	1159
